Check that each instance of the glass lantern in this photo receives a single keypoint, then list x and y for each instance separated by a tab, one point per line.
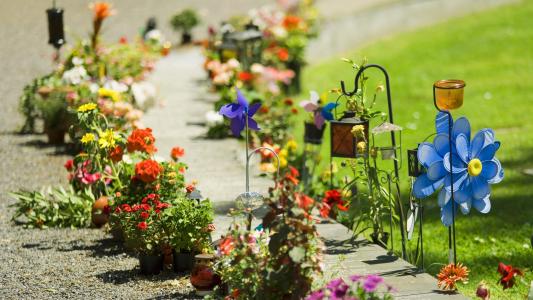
343	142
449	93
249	44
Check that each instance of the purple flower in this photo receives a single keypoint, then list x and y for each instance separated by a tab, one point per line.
239	112
338	288
355	278
371	283
317	295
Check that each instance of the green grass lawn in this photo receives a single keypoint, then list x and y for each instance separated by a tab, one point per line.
493	52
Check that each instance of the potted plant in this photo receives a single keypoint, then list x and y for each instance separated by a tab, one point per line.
184	22
314	127
57	118
187	224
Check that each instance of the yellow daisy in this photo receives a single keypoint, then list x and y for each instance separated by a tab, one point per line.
107	93
87	107
87	138
106	139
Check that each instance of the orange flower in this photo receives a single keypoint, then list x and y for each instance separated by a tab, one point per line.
101	10
283	54
304	202
291	22
176	153
226	245
245	76
449	275
147	170
141	140
116	154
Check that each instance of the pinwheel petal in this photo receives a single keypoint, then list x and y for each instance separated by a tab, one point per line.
480	187
442	144
427	154
253	109
465	207
329	107
237	125
482	139
231	110
458	180
436	171
462	147
461	125
241	99
314	97
463	195
327	115
499	174
319	120
446	214
444	197
423	186
488	152
458	165
489	169
483	205
308	106
441	122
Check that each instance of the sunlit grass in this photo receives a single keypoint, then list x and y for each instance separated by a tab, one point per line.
493	52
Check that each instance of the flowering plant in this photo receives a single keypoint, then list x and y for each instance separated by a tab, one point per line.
450	274
358	287
508	274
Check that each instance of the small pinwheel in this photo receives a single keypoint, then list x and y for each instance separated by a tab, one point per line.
239	112
321	114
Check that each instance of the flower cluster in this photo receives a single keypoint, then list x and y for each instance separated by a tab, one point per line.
332	200
358	287
450	274
141	140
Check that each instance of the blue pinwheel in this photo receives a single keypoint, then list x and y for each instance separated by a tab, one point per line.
474	167
320	114
239	113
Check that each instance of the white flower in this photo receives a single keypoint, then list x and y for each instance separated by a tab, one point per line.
94	87
233	63
154	35
116	86
143	91
77	61
257	68
279	32
75	75
222	79
127	159
212	118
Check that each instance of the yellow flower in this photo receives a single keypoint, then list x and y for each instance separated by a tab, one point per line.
361	147
106	139
292	145
283	162
107	93
87	138
267	167
358	131
87	107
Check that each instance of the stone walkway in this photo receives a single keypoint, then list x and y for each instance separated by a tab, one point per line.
218	165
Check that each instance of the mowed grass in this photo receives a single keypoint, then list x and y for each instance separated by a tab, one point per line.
493	52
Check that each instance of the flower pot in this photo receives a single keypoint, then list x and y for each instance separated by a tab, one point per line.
151	264
313	135
203	277
55	136
183	261
186	38
99	215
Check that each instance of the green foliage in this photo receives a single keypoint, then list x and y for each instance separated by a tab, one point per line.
53	207
185	20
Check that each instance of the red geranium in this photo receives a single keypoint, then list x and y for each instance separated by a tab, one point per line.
141	140
283	54
147	170
176	153
245	76
116	154
144	215
69	165
508	275
142	225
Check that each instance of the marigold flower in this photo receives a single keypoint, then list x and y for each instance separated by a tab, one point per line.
147	171
141	140
176	153
87	107
451	274
87	138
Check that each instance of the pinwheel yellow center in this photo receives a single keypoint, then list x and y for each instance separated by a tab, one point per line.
474	167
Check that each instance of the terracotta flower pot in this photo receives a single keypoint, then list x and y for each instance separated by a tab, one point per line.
183	261
99	216
151	264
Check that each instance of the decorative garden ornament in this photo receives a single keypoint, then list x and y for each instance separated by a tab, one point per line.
320	114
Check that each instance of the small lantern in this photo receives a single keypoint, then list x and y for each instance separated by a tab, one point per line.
195	195
343	142
56	34
449	93
249	44
414	168
151	24
387	152
227	49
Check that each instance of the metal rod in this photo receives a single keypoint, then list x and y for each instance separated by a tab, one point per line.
452	249
393	140
390	212
421	212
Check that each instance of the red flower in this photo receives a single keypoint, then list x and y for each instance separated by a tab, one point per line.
325	209
283	54
126	207
116	154
508	275
294	111
190	188
123	40
291	22
141	140
288	102
135	207
101	10
304	202
145	206
334	197
142	225
264	109
176	153
245	76
69	165
144	215
226	245
147	170
182	170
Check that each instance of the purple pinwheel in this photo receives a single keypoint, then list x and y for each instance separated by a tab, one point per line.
320	114
474	168
239	112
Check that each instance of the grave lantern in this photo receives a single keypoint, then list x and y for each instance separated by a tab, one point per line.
387	152
56	34
343	141
249	43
